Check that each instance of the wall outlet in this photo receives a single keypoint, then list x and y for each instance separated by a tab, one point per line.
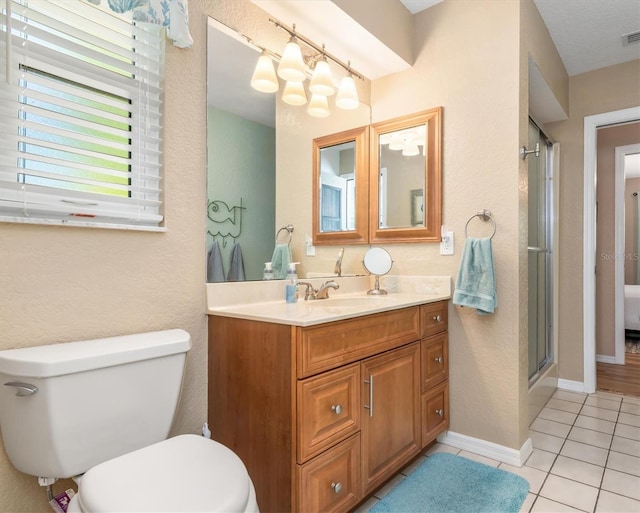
311	249
447	246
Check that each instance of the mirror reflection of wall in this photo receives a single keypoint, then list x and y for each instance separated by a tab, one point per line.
402	175
337	187
241	157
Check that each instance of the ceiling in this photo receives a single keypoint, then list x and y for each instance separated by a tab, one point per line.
587	34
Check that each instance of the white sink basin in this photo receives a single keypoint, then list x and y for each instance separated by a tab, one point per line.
359	301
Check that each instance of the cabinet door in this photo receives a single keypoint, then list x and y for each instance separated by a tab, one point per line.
435	412
391	415
328	410
330	483
434	318
435	360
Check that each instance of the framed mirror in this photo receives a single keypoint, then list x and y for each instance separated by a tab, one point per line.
405	183
340	187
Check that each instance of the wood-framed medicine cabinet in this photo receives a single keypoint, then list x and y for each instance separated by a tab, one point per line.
341	187
380	183
405	181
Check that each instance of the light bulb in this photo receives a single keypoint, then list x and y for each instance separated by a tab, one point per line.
318	106
264	77
347	97
321	80
291	67
294	94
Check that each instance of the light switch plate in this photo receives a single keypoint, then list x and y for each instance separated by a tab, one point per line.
447	244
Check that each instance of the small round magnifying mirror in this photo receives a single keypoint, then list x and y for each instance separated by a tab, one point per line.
377	261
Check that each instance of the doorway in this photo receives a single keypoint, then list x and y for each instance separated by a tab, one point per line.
591	126
540	249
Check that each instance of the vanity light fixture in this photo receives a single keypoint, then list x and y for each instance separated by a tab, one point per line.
291	67
294	93
294	67
318	106
347	97
264	77
321	80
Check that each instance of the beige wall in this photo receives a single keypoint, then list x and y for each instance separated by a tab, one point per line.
478	86
60	283
608	139
605	90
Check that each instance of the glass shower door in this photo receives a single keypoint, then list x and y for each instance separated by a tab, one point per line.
539	250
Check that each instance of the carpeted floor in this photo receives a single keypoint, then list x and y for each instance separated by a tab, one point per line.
450	483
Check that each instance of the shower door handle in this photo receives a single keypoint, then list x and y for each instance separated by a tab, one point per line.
535	249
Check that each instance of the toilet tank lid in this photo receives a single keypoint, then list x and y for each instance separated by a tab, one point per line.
71	357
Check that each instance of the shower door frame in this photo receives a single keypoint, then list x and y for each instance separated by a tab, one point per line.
549	253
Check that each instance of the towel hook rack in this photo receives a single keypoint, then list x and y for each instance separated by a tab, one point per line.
485	215
288	229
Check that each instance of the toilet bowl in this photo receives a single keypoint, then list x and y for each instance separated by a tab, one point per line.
102	409
187	473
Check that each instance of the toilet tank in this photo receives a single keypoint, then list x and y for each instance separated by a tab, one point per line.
95	399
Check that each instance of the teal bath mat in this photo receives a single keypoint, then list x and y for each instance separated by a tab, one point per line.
449	483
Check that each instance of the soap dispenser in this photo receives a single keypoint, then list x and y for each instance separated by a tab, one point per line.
291	287
267	274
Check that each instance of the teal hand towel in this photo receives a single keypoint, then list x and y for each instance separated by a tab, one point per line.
280	261
476	283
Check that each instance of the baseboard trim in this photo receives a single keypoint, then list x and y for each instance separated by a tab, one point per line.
572	386
605	359
491	450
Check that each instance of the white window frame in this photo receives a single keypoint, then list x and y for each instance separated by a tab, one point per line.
102	52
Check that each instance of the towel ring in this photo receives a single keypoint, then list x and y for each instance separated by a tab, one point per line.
288	229
485	215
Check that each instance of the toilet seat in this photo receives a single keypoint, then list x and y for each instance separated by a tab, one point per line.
187	473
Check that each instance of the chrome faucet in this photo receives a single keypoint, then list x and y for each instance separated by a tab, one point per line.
338	268
322	292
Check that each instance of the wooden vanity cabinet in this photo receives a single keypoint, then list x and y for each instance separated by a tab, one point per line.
434	363
295	402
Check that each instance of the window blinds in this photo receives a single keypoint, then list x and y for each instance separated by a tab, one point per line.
80	115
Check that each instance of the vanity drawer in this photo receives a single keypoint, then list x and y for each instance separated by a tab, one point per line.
434	360
328	410
435	412
327	346
433	318
331	482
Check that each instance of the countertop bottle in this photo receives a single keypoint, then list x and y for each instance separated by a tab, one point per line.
267	274
291	287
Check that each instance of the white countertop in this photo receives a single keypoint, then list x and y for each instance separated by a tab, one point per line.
258	301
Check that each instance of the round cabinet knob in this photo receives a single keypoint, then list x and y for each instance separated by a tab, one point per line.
337	409
337	487
438	359
437	318
440	412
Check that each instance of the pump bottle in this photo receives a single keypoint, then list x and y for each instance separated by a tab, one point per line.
291	287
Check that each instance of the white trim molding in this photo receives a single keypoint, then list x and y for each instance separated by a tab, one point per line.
491	450
591	125
571	386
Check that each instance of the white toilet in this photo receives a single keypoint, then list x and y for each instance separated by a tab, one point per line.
103	409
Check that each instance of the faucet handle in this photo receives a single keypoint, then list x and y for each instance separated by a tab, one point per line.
310	292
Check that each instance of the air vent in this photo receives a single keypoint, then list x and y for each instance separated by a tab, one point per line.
631	38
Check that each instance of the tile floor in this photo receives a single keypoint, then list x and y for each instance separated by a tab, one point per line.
586	456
